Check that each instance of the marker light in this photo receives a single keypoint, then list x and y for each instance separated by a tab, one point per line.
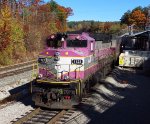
66	53
67	97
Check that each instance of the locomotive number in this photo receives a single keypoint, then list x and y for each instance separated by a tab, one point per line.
69	92
77	61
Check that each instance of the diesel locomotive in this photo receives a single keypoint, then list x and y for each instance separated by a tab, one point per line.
68	67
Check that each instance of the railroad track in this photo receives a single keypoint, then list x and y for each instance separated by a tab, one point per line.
16	69
41	116
46	116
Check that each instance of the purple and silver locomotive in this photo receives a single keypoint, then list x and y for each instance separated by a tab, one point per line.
68	67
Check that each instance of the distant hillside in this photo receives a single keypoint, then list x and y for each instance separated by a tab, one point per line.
95	26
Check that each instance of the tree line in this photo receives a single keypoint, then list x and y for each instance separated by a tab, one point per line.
95	26
137	17
24	25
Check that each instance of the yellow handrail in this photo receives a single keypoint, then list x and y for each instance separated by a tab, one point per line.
34	70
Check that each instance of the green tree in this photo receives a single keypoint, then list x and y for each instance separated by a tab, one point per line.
114	29
125	18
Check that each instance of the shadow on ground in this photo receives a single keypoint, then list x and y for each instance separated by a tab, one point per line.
22	94
134	108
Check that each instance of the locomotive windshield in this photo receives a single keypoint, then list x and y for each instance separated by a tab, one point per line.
55	40
54	43
76	43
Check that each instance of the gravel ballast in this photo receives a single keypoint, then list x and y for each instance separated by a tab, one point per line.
15	110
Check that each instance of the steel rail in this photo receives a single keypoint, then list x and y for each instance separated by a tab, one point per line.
17	69
28	116
39	112
57	117
7	68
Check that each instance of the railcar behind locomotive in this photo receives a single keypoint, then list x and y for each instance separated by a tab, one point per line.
66	67
135	50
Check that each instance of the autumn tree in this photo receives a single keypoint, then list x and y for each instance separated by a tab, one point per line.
24	25
5	33
138	18
95	26
107	26
59	16
115	28
5	27
17	41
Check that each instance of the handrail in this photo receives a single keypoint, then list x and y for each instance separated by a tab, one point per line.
79	71
34	68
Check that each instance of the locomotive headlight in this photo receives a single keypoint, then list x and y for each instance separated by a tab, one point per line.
62	39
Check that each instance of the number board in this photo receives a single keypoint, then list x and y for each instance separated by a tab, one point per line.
77	61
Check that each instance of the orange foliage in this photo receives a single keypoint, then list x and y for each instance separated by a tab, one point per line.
5	28
107	27
138	18
35	20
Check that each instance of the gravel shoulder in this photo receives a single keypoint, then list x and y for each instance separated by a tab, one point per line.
11	112
18	78
11	84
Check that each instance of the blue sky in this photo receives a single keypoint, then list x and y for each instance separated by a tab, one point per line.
100	10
